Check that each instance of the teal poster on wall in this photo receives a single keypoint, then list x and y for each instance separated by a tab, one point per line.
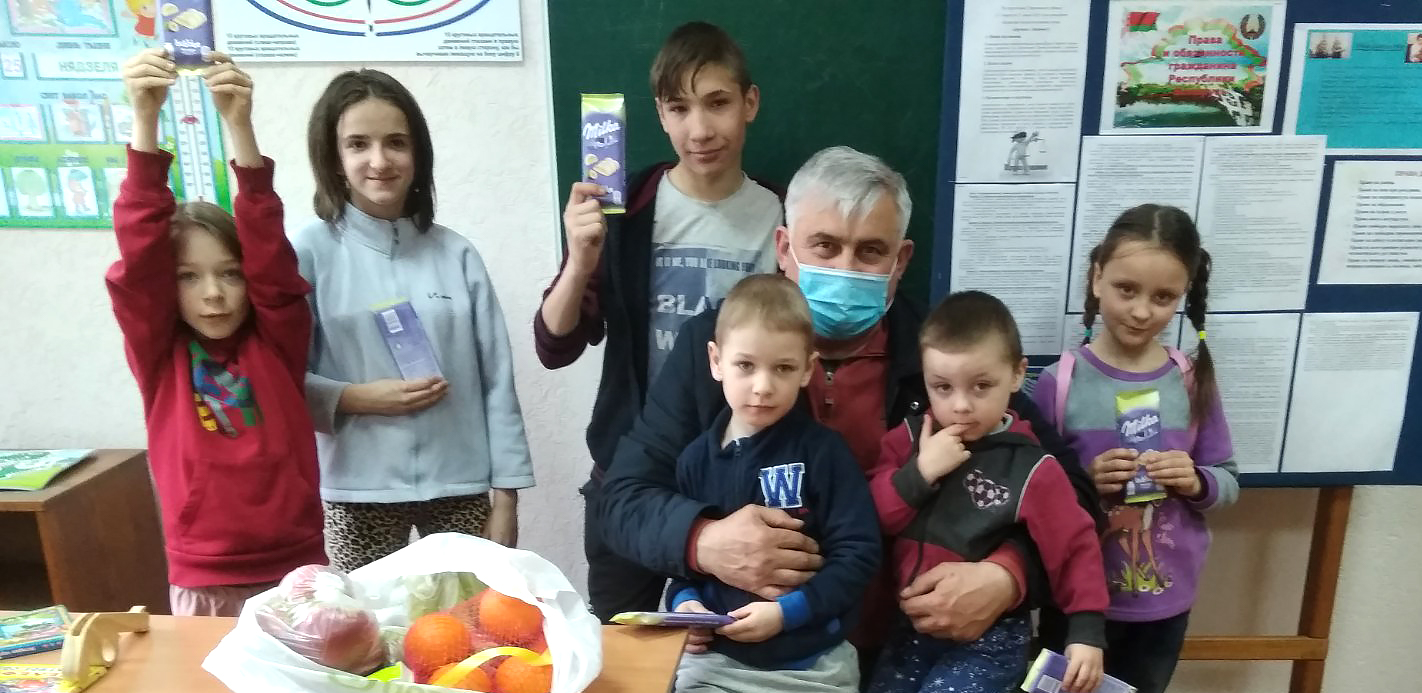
1359	84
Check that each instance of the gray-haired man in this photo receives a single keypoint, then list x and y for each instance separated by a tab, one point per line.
845	245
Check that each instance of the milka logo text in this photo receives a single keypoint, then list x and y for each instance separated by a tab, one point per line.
595	130
1135	429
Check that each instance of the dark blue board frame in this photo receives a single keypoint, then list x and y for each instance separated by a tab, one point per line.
1407	466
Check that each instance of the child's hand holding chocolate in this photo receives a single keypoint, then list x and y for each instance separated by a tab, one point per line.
1175	470
1112	469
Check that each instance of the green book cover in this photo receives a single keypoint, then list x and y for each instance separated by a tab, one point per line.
31	470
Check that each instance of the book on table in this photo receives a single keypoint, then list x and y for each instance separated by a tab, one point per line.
40	630
32	470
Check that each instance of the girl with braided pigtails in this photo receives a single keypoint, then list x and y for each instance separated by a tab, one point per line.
1146	416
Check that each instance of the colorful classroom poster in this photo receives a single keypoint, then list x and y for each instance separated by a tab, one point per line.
1191	67
1374	229
1024	76
394	30
64	118
1359	84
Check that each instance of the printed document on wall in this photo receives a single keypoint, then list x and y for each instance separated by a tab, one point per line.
1350	392
1254	363
1258	215
1011	241
1374	231
1024	77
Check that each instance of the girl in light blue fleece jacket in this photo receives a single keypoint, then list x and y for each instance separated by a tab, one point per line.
426	452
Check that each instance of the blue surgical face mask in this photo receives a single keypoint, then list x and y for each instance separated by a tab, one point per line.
843	303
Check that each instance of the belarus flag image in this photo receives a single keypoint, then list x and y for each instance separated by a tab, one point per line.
1141	21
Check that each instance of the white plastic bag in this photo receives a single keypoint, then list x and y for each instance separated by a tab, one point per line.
248	660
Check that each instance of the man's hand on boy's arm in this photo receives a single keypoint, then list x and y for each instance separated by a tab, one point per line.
959	601
146	77
757	549
755	622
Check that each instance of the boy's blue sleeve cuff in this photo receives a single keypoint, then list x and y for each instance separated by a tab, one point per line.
688	594
794	610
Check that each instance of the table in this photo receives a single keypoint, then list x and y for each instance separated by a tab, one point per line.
168	658
91	540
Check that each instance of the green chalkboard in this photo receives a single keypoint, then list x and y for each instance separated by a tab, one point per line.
864	74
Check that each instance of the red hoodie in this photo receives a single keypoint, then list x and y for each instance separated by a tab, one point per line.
236	510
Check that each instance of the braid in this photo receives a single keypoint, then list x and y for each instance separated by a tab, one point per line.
1092	305
1195	307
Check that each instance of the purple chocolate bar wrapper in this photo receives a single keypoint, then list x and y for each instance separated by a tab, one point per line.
1140	431
671	619
1050	668
409	345
186	44
604	139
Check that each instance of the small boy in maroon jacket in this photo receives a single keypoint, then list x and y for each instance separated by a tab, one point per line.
216	329
953	485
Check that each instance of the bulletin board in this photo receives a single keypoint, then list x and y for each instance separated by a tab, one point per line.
1313	311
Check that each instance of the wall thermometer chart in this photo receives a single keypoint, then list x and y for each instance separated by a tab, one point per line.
194	130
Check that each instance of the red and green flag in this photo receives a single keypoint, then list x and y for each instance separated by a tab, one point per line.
1141	21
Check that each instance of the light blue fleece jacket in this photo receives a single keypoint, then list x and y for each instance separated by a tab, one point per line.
470	441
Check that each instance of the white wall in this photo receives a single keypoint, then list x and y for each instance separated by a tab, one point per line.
1253	585
63	382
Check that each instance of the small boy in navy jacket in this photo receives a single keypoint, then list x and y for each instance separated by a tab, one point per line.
767	449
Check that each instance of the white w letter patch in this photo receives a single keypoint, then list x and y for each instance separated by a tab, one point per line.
780	485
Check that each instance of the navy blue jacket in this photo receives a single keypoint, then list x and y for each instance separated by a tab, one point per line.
807	470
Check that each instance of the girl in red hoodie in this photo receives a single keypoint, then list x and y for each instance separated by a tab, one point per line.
216	330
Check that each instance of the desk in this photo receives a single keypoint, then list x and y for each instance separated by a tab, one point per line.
168	658
91	540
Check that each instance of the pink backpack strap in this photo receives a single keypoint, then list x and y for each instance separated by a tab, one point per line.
1065	365
1187	368
1187	373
